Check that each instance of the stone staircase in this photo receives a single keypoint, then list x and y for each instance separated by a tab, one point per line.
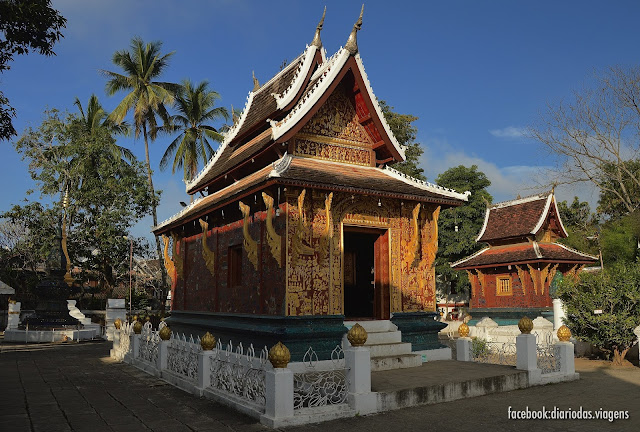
387	349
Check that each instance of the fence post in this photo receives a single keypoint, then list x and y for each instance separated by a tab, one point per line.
204	370
116	344
463	349
278	395
566	354
135	345
527	352
358	364
163	350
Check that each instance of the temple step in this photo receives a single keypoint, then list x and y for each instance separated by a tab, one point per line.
374	326
389	349
386	337
395	362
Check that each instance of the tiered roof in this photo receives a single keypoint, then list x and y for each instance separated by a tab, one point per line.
511	229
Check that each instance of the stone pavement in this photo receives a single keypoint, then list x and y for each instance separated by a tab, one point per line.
77	387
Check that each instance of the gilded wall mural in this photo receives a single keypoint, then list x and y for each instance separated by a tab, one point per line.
208	255
273	238
168	263
178	256
250	245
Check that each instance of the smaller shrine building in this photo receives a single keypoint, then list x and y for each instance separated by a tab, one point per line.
513	275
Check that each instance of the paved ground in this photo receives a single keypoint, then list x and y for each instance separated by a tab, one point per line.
71	387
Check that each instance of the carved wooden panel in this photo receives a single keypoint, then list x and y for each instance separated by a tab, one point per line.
311	147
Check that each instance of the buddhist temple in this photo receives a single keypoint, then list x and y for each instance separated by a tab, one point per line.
512	276
301	223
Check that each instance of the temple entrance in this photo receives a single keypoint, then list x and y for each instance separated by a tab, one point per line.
366	273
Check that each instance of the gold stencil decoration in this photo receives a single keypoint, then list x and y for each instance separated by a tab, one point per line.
522	274
177	259
302	231
168	263
412	249
535	277
473	286
273	239
208	255
250	245
327	235
481	279
430	246
548	277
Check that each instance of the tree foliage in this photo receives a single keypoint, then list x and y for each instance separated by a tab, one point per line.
620	239
581	225
106	195
615	292
453	244
406	134
196	108
595	137
25	26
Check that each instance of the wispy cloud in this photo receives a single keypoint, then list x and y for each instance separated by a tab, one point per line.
509	132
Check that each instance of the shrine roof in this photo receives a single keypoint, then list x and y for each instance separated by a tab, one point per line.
523	253
329	175
518	218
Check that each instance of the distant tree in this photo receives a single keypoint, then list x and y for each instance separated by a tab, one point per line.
615	292
104	195
458	227
620	239
581	225
595	138
25	26
406	134
192	147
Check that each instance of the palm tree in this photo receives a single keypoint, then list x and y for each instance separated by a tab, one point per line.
142	64
96	118
195	106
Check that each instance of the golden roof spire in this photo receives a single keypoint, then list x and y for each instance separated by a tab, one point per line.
316	39
256	84
352	42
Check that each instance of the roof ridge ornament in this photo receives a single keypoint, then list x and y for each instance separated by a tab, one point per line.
256	84
316	38
352	42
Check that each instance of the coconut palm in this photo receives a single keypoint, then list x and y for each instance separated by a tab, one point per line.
96	117
147	98
142	65
195	107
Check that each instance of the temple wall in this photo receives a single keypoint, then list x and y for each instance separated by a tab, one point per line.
314	280
208	290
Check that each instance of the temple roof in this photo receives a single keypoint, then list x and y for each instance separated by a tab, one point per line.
285	102
322	174
519	218
524	253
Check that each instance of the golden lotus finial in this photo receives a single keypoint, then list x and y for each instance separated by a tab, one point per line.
117	323
352	42
165	333
137	327
564	334
316	38
463	330
357	335
525	325
279	355
207	342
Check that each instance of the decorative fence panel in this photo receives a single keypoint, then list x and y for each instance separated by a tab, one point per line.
547	353
124	346
321	383
239	373
149	343
501	353
182	356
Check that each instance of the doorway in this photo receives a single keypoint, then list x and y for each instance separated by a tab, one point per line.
366	273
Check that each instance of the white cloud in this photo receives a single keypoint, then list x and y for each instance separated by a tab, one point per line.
509	132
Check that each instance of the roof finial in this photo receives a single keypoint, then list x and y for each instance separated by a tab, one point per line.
256	84
316	39
234	117
352	42
553	187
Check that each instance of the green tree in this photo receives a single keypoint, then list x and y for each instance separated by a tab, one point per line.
406	133
615	292
147	98
25	26
616	185
620	239
106	195
458	227
195	106
581	225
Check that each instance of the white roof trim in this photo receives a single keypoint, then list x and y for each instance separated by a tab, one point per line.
281	165
228	137
543	216
555	206
536	249
570	249
463	260
518	201
287	96
484	225
425	185
376	106
330	70
177	215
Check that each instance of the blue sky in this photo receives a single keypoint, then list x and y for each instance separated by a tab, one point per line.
474	72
